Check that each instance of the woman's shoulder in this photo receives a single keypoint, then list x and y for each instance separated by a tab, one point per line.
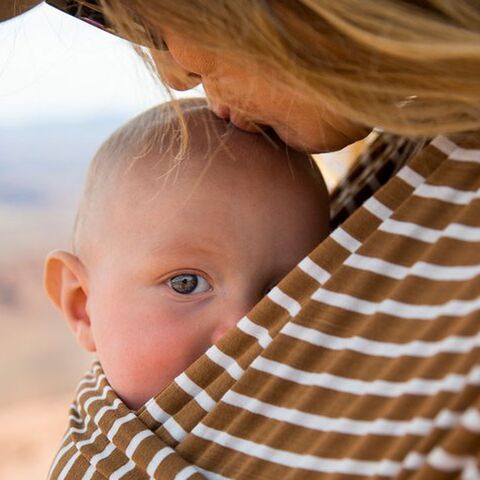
382	157
386	155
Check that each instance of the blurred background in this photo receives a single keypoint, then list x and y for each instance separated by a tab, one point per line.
64	86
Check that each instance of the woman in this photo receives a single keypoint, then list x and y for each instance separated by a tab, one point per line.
363	362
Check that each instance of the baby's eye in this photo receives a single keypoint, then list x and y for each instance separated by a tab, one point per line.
188	283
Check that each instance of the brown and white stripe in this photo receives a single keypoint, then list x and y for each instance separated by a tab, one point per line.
363	362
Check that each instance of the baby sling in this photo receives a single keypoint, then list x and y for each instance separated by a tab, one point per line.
362	362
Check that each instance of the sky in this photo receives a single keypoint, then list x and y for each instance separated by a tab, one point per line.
56	68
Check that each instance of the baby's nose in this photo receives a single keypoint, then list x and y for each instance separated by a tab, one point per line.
233	311
226	323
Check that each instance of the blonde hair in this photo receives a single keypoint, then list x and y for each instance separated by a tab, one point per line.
410	67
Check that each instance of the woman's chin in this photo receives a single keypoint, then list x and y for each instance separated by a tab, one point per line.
332	142
294	140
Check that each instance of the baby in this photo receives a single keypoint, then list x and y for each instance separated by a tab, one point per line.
173	244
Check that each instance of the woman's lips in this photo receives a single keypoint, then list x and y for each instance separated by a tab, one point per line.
222	111
243	124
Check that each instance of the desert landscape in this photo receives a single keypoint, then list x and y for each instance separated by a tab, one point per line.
41	173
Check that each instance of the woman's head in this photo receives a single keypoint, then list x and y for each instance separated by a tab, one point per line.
258	97
321	73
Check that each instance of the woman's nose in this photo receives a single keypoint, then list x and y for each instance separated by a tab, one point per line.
174	75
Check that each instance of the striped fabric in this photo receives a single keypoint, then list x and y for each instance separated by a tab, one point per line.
363	362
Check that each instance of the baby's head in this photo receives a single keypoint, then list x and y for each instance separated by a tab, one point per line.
170	253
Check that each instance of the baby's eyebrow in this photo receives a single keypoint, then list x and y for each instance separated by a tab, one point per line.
207	246
172	256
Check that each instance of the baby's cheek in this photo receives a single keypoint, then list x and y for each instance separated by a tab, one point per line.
138	372
131	342
143	351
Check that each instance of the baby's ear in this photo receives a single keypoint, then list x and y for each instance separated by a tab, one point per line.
65	281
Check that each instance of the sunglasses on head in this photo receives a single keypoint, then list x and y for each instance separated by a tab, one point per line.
90	11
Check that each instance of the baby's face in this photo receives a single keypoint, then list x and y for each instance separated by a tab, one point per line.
185	259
